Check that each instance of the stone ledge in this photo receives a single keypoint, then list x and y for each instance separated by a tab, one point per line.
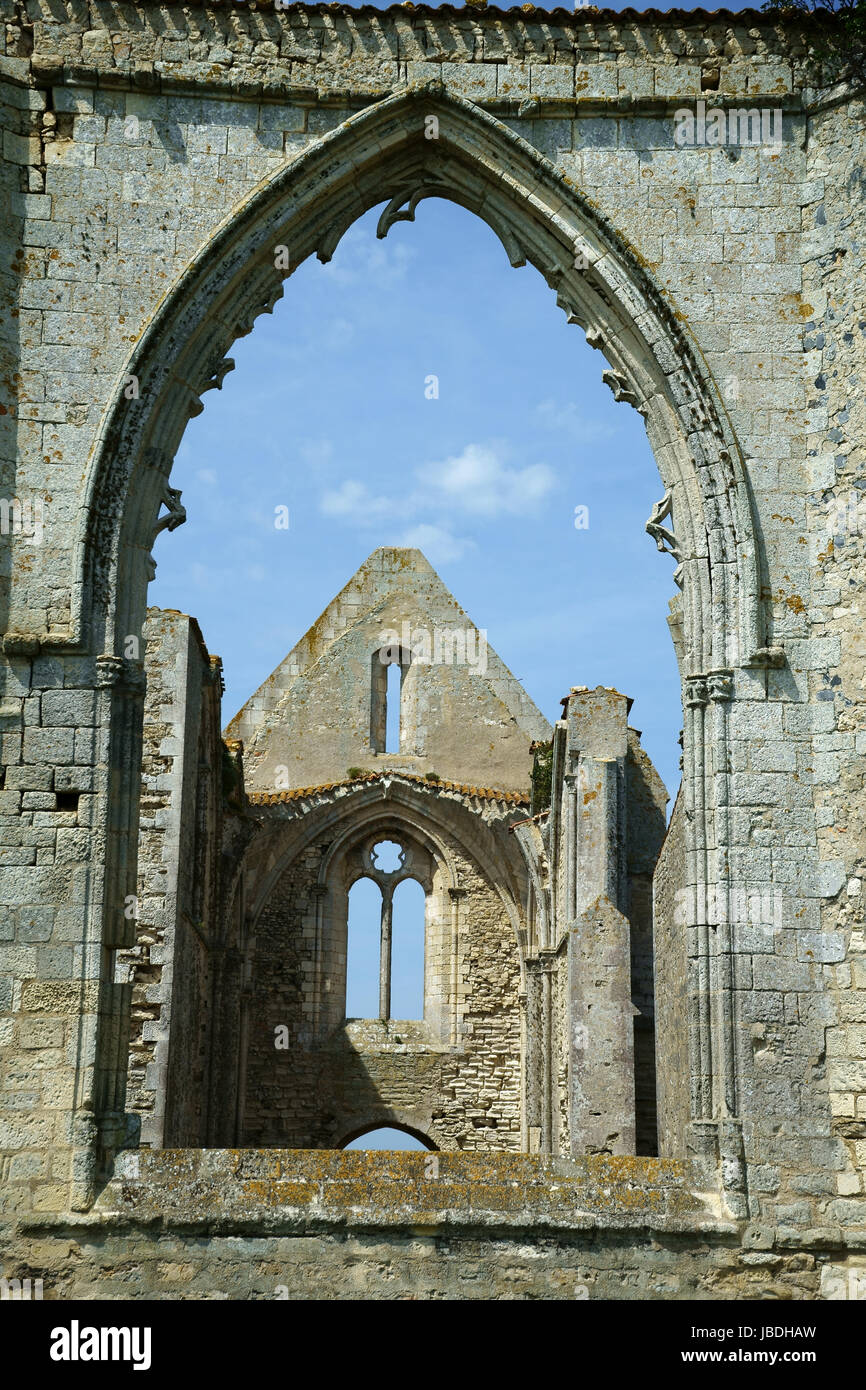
316	1189
100	1256
233	85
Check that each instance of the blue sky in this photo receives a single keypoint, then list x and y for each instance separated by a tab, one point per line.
326	414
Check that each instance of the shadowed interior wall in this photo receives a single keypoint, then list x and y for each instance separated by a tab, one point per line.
330	1081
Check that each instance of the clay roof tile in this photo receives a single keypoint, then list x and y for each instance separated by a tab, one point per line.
300	793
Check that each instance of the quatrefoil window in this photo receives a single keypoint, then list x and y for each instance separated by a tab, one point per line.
388	856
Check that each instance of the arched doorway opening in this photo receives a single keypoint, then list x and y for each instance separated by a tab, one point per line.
391	1136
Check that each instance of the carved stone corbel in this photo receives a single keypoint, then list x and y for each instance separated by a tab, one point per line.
120	673
664	538
109	671
175	516
213	383
623	391
721	685
770	658
695	692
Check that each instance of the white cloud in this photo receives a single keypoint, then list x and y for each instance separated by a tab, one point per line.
206	475
474	483
478	481
354	499
569	420
362	259
437	542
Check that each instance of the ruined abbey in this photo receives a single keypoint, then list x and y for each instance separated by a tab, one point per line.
639	1070
535	1038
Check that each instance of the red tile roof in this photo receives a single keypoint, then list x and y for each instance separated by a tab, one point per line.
698	17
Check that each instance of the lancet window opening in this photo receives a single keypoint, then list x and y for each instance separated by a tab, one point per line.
358	955
387	684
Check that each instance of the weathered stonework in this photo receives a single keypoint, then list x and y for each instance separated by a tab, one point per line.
252	1225
178	898
153	159
239	1027
463	715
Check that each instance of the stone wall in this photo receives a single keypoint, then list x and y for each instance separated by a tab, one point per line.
224	1225
836	512
671	991
590	990
177	904
454	1076
725	290
463	716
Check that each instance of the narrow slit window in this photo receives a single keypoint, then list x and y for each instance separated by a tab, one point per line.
393	692
387	714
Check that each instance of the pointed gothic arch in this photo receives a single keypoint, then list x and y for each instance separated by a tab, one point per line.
540	216
386	1120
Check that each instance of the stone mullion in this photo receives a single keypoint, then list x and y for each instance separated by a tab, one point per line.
218	1081
548	966
246	1000
534	1067
385	952
525	1062
243	1065
539	1051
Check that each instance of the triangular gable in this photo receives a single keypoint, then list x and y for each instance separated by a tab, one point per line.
465	716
